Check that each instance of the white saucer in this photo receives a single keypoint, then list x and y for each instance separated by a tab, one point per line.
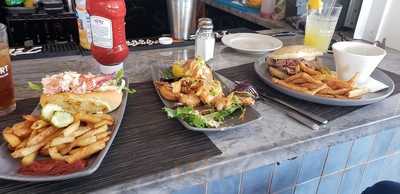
252	43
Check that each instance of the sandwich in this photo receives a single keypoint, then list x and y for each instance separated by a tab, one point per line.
87	93
287	59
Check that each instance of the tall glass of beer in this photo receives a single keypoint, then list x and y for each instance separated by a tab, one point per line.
7	95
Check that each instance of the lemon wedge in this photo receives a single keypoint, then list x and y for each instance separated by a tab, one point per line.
177	70
314	4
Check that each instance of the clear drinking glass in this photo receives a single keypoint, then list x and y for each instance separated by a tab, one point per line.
7	94
320	26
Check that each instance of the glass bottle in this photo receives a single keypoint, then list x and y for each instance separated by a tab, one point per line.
205	39
7	93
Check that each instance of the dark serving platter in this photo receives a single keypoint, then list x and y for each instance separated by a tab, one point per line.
233	122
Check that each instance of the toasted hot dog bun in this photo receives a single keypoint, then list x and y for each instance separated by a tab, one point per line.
92	102
296	52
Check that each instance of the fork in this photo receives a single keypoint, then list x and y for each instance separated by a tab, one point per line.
299	116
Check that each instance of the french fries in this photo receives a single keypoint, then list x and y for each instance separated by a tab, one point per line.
103	122
86	152
39	124
28	159
318	89
105	117
87	135
319	81
357	92
54	154
61	140
72	128
22	144
80	131
26	151
67	149
86	141
41	136
294	77
291	86
308	70
95	131
11	139
103	135
22	129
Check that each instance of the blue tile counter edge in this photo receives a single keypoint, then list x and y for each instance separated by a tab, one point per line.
216	171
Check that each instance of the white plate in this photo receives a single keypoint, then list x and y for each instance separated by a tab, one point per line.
369	98
252	43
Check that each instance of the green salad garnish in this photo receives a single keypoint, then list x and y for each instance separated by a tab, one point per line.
196	119
35	86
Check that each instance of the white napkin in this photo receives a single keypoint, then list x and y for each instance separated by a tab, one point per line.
373	85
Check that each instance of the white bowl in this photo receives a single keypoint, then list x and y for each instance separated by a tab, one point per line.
356	57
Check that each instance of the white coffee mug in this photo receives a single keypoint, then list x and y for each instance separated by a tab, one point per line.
356	57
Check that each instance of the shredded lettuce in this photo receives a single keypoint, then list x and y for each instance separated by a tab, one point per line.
195	119
35	86
221	115
189	115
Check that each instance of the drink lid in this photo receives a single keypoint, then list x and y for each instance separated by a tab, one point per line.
110	69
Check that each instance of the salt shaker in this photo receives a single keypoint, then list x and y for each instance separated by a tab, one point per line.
205	39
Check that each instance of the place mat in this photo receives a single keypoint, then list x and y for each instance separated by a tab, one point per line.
247	72
147	143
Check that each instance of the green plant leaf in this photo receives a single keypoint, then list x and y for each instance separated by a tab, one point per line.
35	86
171	113
119	75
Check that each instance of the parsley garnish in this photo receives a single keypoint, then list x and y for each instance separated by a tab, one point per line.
119	75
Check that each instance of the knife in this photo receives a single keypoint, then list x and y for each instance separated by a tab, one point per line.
301	111
305	121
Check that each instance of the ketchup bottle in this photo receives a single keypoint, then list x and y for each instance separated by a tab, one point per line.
107	22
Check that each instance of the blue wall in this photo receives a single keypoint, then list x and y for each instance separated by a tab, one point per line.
346	168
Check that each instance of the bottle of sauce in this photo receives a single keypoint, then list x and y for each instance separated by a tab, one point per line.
85	36
107	22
